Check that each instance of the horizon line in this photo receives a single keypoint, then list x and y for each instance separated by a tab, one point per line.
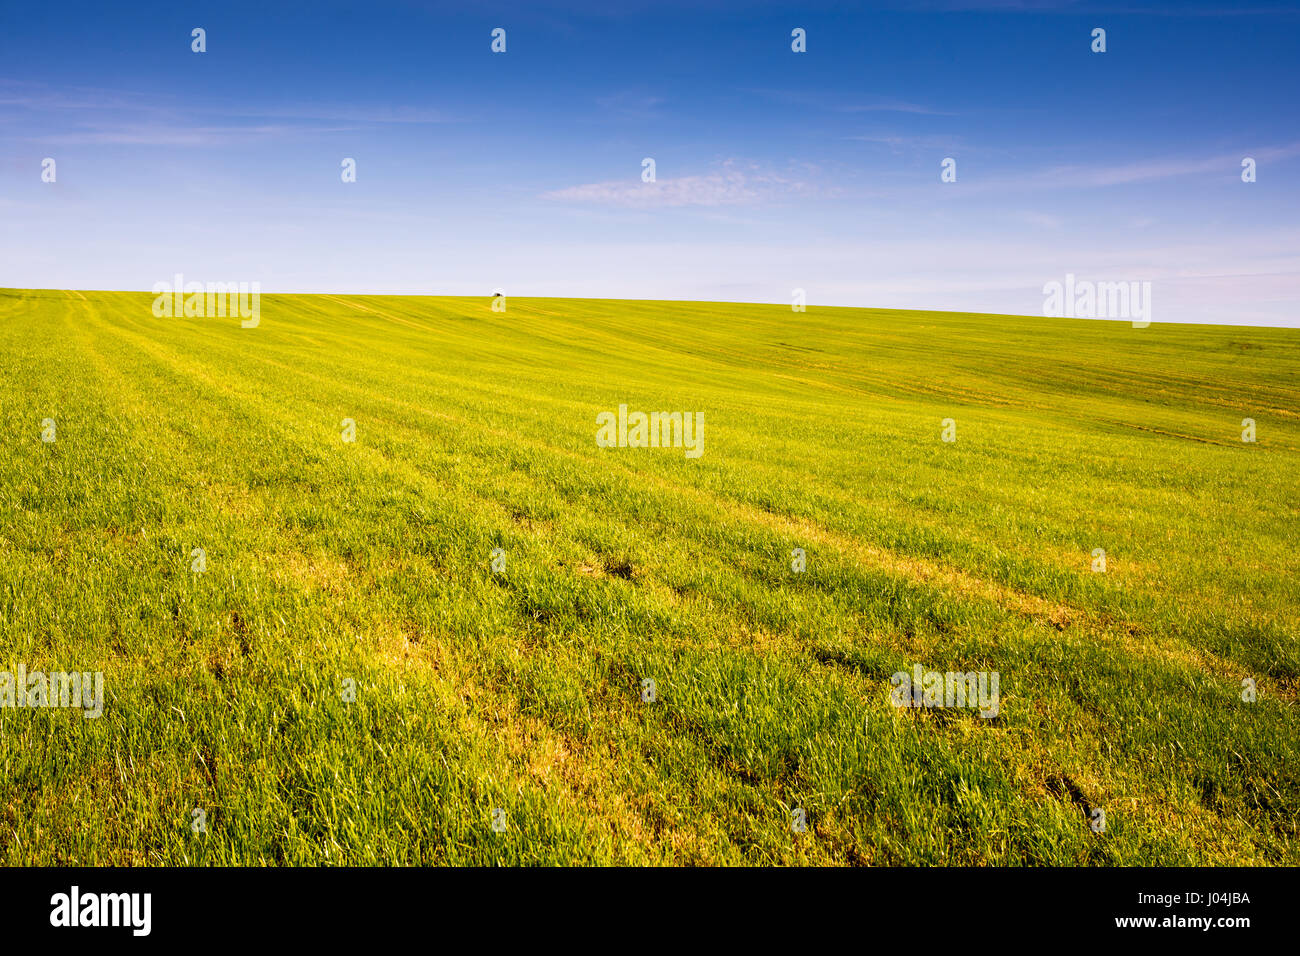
862	308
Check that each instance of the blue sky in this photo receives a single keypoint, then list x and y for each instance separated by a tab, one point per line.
775	170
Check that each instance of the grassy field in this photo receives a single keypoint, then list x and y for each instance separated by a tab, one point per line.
329	562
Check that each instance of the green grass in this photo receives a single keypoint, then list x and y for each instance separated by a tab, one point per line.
370	561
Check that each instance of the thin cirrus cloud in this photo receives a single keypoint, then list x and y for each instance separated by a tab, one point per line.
899	142
827	100
26	95
167	135
1093	176
94	116
890	106
378	115
1165	168
632	104
728	186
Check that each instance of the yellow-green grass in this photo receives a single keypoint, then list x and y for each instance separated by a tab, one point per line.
370	561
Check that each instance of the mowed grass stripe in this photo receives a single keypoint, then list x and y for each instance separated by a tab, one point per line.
840	505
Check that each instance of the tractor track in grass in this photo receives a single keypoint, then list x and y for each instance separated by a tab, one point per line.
1053	614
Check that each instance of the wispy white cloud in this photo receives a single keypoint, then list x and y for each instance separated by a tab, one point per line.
1149	170
1100	175
347	114
834	102
84	115
898	142
632	104
890	106
27	95
731	184
166	135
